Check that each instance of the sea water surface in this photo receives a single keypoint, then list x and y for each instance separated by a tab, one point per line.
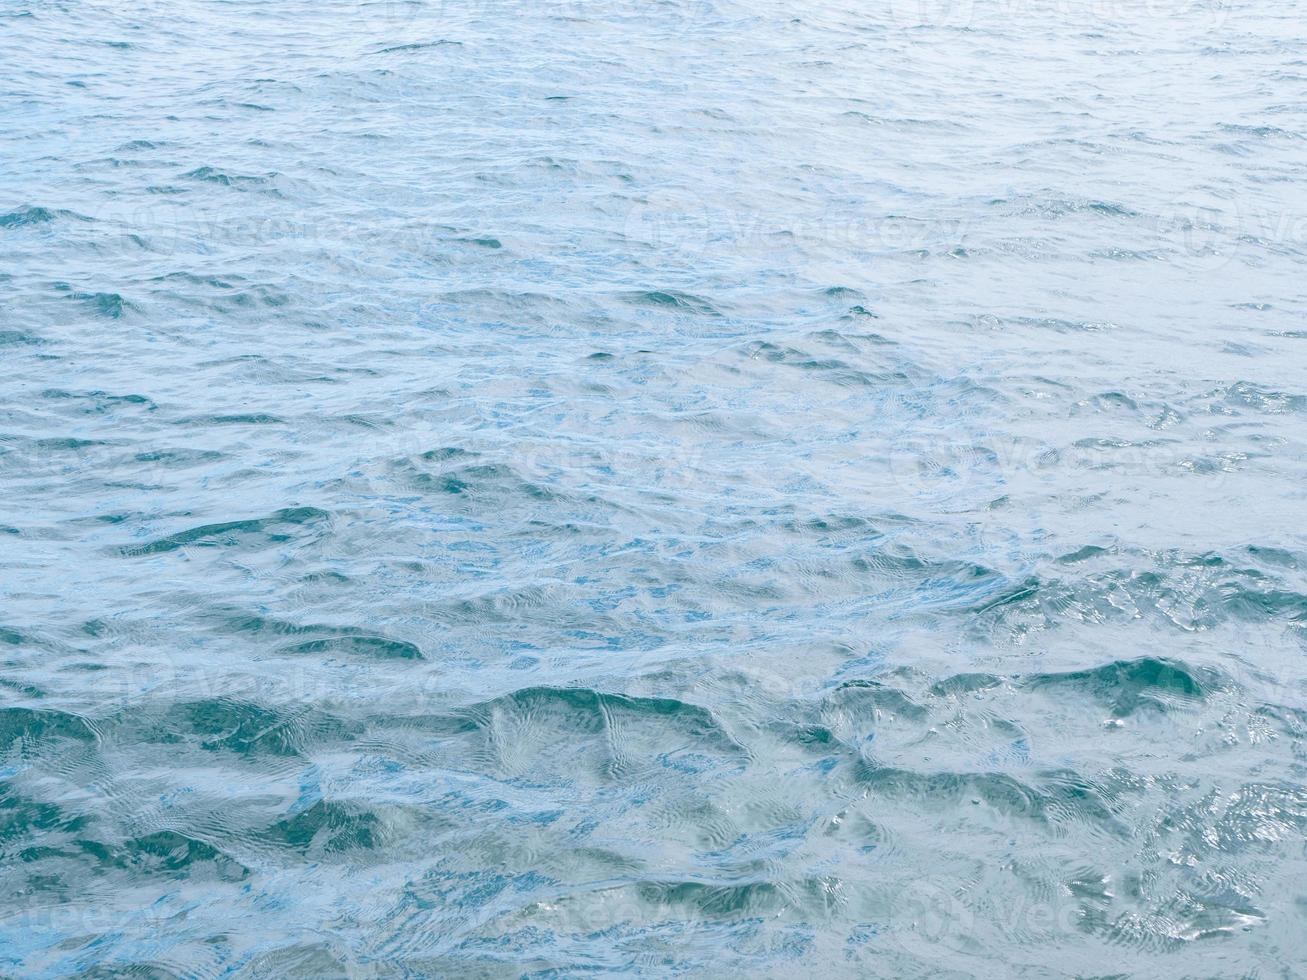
700	487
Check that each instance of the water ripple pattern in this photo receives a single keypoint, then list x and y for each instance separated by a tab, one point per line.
661	487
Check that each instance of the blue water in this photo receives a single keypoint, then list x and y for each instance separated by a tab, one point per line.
653	487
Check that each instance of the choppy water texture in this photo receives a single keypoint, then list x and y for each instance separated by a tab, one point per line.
677	486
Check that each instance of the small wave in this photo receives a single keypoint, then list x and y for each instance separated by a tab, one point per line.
266	530
34	725
327	828
228	724
357	644
19	338
31	215
109	305
214	175
1263	399
1129	686
420	46
671	299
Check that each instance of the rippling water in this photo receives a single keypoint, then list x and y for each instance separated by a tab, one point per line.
663	486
